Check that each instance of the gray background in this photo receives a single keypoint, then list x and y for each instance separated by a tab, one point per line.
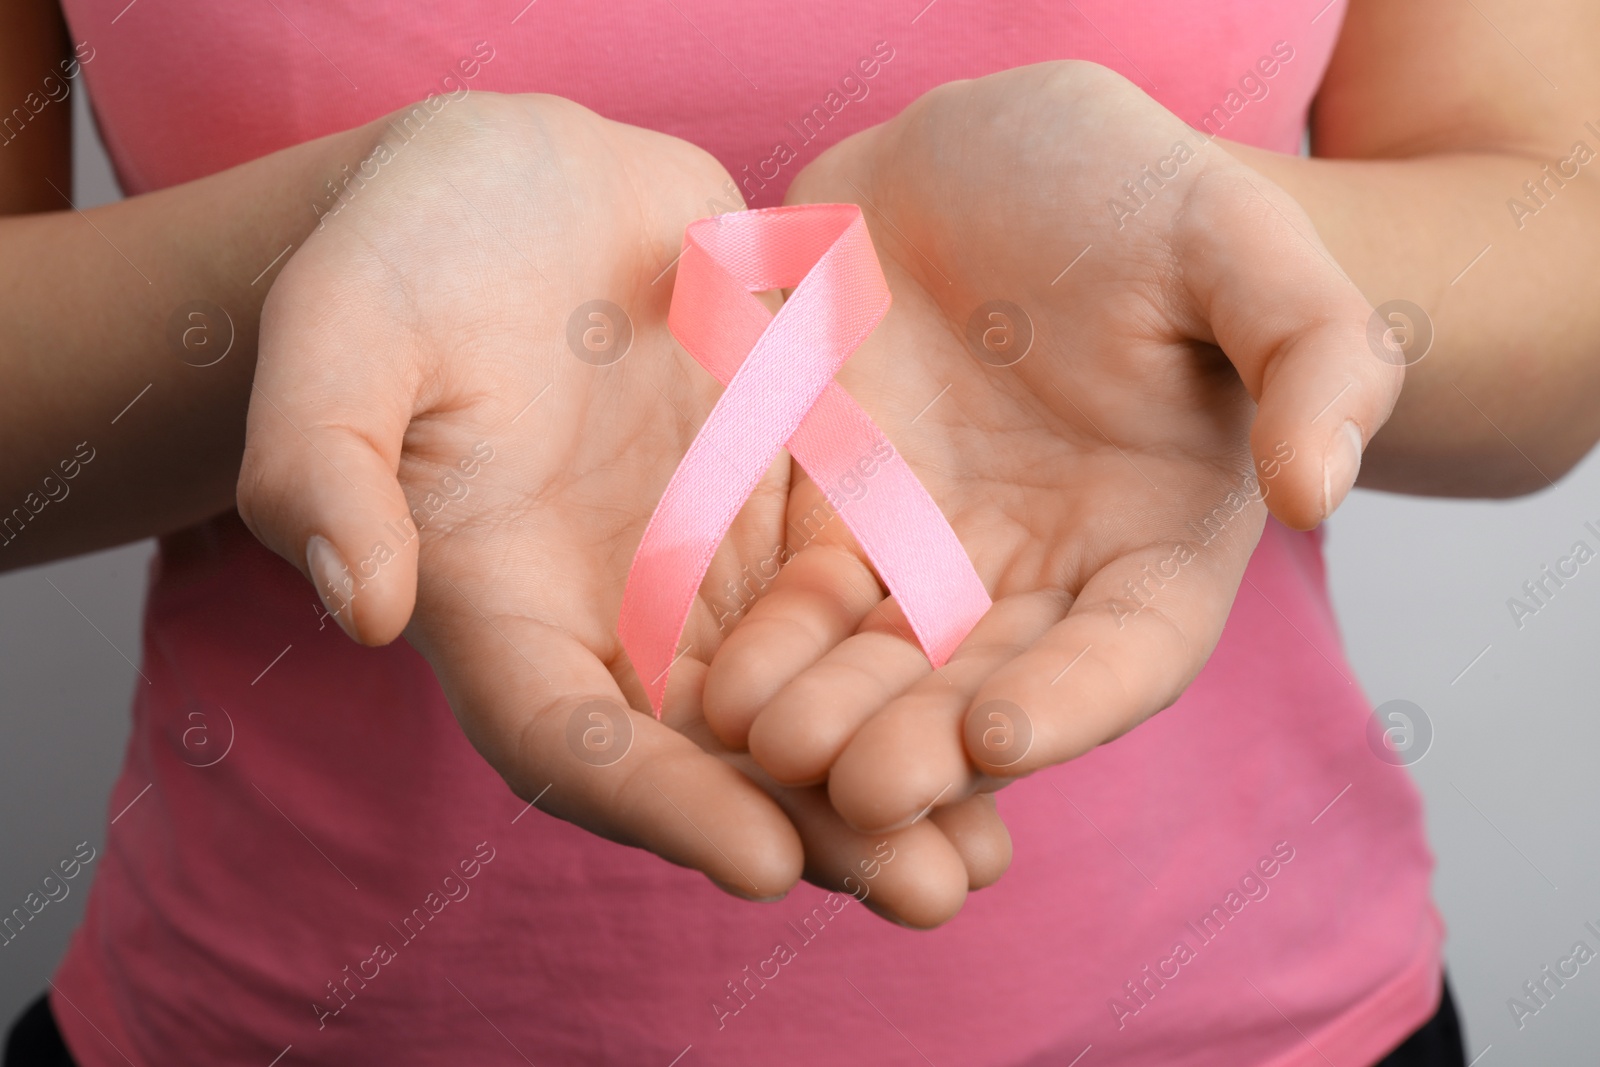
1510	780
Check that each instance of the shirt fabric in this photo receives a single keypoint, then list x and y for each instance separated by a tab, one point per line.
328	873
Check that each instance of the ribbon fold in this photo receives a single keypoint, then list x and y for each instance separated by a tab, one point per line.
778	371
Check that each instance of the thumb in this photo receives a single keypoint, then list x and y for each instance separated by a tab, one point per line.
323	439
1296	329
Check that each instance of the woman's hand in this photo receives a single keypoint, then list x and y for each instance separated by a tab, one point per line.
1110	343
456	430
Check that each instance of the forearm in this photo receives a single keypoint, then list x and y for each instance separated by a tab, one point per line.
95	361
1508	397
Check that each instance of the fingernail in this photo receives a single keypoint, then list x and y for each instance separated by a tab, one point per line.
743	895
1340	467
332	580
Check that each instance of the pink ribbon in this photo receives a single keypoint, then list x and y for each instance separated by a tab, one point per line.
778	370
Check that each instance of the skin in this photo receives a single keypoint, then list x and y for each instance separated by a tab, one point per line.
389	351
88	331
1429	111
1428	122
1127	414
1210	354
36	39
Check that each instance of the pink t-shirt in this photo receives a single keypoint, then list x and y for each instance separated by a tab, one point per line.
309	863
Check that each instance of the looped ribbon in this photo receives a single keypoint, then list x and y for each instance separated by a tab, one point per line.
778	371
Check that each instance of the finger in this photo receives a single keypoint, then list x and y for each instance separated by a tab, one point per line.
909	757
915	876
819	598
322	446
805	726
973	826
1296	328
549	717
1137	635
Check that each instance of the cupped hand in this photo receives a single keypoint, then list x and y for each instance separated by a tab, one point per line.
458	432
1113	350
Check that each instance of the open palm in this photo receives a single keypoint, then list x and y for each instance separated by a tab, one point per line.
1104	400
467	403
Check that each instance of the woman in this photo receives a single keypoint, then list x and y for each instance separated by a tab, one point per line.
425	264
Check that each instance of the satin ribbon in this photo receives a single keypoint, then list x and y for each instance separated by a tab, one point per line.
778	370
